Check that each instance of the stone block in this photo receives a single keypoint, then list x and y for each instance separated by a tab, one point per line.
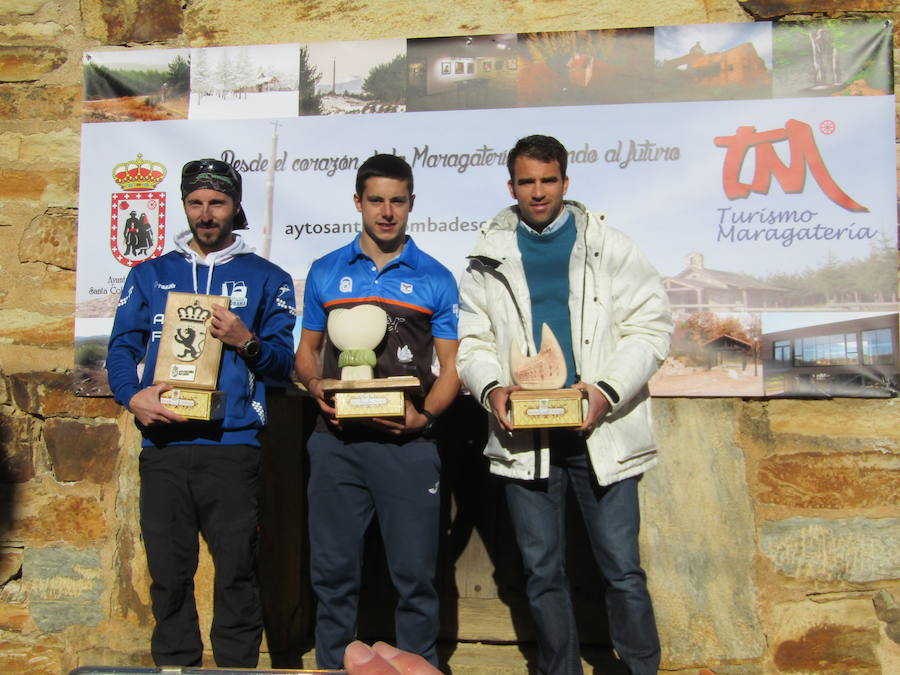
58	291
51	239
19	63
10	145
33	657
133	21
26	31
772	9
82	451
50	394
14	213
840	636
18	434
847	549
24	103
16	358
812	480
140	658
872	418
697	543
23	327
53	147
10	563
56	186
14	618
44	519
64	587
21	7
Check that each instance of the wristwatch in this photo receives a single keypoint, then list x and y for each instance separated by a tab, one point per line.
250	349
430	423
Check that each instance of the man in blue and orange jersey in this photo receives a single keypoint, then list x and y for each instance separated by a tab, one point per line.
383	466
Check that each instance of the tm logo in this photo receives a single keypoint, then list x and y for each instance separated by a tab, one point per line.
804	153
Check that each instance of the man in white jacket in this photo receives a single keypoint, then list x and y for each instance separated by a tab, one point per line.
611	317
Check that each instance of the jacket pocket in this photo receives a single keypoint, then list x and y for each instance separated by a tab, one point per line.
631	432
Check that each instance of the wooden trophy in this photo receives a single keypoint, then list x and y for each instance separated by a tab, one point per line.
542	402
356	332
189	357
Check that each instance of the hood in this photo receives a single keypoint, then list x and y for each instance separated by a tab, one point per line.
239	247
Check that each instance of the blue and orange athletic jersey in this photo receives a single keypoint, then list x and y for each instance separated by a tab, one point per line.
418	293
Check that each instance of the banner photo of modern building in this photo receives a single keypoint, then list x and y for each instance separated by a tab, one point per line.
753	163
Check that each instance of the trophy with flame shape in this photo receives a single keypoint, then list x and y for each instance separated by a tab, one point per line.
356	332
541	402
189	357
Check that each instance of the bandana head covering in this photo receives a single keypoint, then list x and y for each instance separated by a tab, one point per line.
216	175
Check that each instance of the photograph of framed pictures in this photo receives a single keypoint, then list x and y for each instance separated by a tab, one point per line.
487	66
445	67
460	68
470	67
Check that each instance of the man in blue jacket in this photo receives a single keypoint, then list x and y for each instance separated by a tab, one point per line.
202	476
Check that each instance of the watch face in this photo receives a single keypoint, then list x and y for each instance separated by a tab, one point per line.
251	349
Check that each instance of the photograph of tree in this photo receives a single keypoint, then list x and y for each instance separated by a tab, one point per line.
244	82
138	85
832	58
338	78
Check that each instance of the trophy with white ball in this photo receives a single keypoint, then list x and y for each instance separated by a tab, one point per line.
542	402
356	332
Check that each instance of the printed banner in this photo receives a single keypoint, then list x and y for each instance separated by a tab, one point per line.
753	163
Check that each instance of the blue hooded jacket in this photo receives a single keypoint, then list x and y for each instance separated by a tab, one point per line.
262	295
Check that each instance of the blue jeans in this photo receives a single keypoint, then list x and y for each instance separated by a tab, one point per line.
612	519
349	483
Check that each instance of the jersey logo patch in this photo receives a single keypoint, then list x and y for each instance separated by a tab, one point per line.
346	285
237	291
404	354
406	287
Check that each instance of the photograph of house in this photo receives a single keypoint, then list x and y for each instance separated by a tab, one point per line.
712	354
693	63
853	357
698	287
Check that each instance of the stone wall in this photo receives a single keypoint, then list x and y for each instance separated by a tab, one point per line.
772	530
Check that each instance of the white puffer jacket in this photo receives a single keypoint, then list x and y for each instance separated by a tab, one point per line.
621	327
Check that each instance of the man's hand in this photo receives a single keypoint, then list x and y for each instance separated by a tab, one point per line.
413	421
228	327
598	406
148	410
316	388
499	400
382	659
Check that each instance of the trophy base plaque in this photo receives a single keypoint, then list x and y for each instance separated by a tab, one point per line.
195	404
379	397
537	408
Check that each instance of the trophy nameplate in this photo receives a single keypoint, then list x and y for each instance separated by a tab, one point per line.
530	408
379	397
189	357
356	332
542	402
